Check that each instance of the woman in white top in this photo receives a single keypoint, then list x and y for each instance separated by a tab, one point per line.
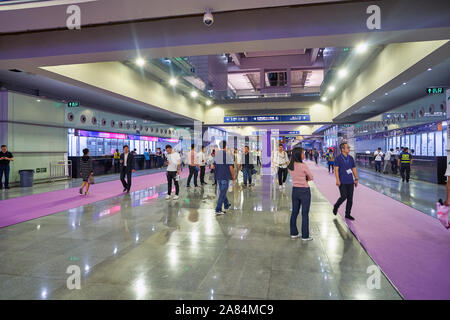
281	160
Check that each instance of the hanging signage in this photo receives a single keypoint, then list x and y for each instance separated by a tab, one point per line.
72	104
438	90
142	138
268	118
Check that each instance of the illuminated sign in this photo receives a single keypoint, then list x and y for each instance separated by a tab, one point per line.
168	140
96	134
435	90
72	104
268	118
142	138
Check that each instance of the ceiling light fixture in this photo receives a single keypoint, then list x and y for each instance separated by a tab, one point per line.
173	81
361	48
140	62
194	94
208	102
429	69
332	88
323	99
342	73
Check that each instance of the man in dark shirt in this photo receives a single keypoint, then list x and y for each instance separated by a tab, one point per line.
345	169
223	173
5	158
127	163
404	162
247	166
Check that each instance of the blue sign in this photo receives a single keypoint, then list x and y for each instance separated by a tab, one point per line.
271	118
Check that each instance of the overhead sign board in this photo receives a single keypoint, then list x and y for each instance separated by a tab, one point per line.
72	104
268	118
438	90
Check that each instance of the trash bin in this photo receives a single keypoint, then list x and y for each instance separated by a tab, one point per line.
26	178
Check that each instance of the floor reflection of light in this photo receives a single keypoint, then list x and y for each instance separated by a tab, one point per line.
38	227
137	238
140	288
86	268
115	250
194	236
44	293
173	257
153	228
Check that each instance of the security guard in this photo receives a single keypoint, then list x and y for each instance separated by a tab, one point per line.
404	162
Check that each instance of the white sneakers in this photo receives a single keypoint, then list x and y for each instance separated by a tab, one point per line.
307	239
295	237
175	197
303	239
167	197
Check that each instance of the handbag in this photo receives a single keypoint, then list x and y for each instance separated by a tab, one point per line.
91	179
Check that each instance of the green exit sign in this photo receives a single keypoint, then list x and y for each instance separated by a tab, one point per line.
72	104
435	90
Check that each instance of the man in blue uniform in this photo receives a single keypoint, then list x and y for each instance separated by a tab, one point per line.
345	169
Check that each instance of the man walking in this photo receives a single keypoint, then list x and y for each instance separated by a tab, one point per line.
202	160
173	172
280	160
127	162
345	169
388	159
404	161
223	173
378	159
5	159
247	166
193	166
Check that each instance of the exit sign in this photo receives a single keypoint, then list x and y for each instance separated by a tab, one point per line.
72	104
435	90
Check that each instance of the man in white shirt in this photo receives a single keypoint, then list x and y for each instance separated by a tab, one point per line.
173	171
258	157
280	160
388	158
378	159
192	160
202	159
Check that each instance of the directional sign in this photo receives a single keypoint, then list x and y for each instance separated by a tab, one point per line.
435	90
268	118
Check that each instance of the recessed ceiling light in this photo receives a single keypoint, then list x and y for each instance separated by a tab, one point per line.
373	100
429	69
208	102
323	99
332	88
386	94
404	83
194	94
173	81
140	62
342	73
361	48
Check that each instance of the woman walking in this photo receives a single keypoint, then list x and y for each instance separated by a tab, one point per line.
86	171
301	194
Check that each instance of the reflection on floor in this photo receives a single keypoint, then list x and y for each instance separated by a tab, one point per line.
140	246
16	192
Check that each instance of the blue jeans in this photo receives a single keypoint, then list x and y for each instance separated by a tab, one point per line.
223	200
247	173
4	170
300	197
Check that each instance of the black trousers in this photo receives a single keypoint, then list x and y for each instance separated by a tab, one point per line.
202	174
394	166
346	191
315	159
192	172
258	161
171	176
125	171
116	165
282	175
405	170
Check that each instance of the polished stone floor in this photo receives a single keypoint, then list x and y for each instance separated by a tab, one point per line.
140	246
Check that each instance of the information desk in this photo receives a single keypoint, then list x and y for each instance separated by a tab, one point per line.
105	164
430	169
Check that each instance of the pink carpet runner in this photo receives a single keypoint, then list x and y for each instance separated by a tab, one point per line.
412	248
34	206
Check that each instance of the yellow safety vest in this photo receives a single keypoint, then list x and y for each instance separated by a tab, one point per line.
405	158
116	155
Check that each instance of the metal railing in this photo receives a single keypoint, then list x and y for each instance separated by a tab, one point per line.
60	170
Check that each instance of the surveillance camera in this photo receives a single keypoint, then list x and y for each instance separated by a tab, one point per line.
208	18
